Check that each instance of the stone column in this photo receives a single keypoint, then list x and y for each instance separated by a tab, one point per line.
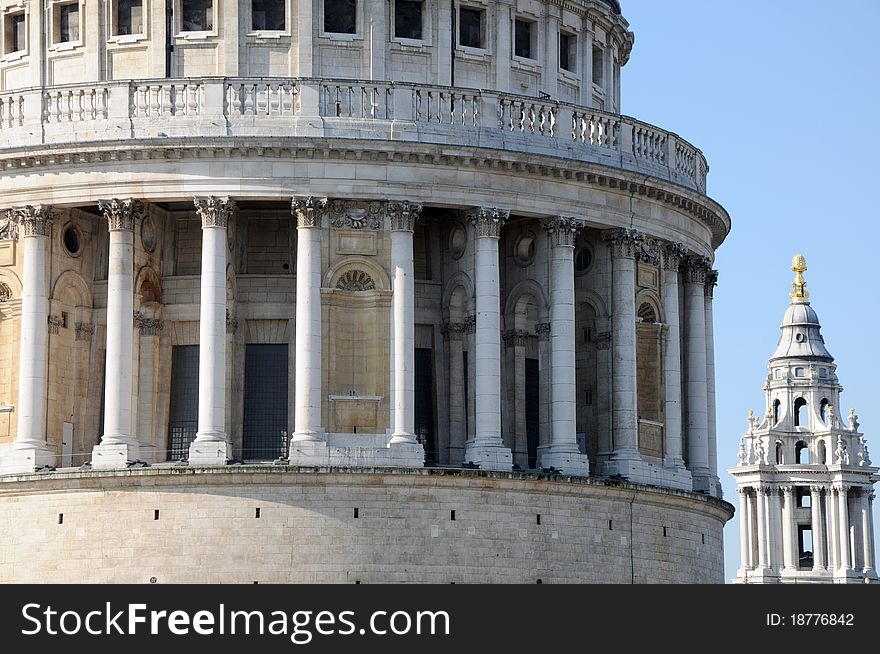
744	546
625	458
503	45
818	529
149	329
376	33
832	539
672	255
211	445
711	283
775	529
551	53
750	528
118	446
845	558
33	224
403	217
564	454
307	421
869	568
696	270
305	29
789	538
515	350
487	448
455	334
763	540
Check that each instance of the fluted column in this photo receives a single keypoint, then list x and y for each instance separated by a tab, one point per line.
775	529
309	212
403	218
211	445
697	397
487	448
832	539
845	558
744	530
564	454
818	529
454	332
625	457
711	283
118	445
790	557
763	532
672	256
33	225
869	568
752	560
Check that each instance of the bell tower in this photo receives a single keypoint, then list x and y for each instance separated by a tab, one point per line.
804	478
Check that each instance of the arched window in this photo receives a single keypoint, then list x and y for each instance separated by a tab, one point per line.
799	405
820	452
801	453
776	405
647	313
779	452
823	409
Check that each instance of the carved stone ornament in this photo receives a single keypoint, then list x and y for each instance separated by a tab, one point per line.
146	325
455	331
214	211
673	253
8	226
624	243
562	230
355	281
351	214
120	214
404	215
30	220
603	341
84	331
696	269
309	211
515	337
231	323
5	293
55	322
650	251
711	283
543	331
488	221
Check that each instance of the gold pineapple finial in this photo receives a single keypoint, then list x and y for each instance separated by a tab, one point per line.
799	287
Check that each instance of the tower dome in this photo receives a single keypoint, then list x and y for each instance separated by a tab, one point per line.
801	336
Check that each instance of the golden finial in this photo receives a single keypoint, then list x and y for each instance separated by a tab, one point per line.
799	287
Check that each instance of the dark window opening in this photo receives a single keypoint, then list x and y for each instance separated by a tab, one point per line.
779	447
533	404
71	240
183	420
267	15
340	16
522	39
647	313
198	16
470	27
452	514
424	398
801	453
820	453
17	34
805	547
467	396
408	19
60	518
802	497
583	259
799	405
156	514
265	402
129	17
567	51
823	409
356	513
68	23
776	405
598	66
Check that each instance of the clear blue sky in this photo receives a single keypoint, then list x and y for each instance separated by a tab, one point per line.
782	96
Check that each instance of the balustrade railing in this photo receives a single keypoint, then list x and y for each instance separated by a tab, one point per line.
235	106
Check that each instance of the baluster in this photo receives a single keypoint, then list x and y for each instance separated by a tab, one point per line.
248	100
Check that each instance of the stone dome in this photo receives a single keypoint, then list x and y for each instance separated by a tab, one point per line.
801	335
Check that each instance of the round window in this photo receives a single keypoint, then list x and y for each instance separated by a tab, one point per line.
457	241
71	240
799	338
583	259
524	249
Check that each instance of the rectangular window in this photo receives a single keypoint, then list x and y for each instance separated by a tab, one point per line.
408	19
15	33
533	403
68	23
183	418
423	371
267	15
264	436
470	27
340	16
523	33
567	51
598	65
197	16
129	17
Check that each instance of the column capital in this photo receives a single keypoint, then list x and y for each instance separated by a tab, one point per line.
488	221
744	490
696	269
841	487
214	211
120	214
147	326
454	331
562	230
404	215
84	331
309	210
603	341
711	283
673	253
624	243
29	220
515	337
787	488
543	331
816	489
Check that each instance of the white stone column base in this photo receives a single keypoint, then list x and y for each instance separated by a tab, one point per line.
640	471
702	482
26	460
209	453
488	457
346	453
567	462
756	576
109	457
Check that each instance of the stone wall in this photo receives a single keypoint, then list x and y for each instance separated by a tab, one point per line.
314	525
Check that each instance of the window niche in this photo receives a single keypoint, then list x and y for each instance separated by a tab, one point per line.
409	19
65	23
196	15
127	17
598	66
472	27
525	38
568	52
340	17
268	16
14	33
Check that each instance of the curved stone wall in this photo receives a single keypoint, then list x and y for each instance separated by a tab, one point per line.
280	524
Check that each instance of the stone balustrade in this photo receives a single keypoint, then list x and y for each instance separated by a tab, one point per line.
281	107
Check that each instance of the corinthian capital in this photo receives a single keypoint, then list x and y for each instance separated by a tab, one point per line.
696	269
214	211
30	220
488	221
624	243
308	210
120	214
673	253
404	215
562	230
711	283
